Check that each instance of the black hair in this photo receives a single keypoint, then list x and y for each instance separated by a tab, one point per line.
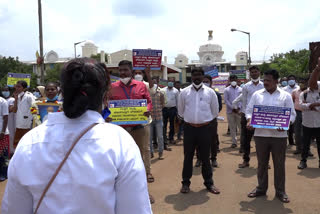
23	83
291	76
51	83
273	73
126	62
197	69
83	84
207	76
233	76
253	68
177	82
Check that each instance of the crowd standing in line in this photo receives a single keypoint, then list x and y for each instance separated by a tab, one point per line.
195	109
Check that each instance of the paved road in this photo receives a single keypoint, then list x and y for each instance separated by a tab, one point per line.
303	187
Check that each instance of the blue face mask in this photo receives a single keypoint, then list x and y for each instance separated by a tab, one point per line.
52	100
284	83
36	94
170	84
6	93
291	82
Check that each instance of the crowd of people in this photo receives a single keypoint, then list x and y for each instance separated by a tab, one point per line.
48	165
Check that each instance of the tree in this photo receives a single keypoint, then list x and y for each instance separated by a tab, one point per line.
53	74
98	56
13	65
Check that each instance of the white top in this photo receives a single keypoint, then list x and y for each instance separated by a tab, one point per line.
4	110
151	90
103	174
172	97
235	103
198	107
290	89
310	119
248	90
278	98
23	115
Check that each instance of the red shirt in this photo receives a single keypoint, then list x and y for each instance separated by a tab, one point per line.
135	90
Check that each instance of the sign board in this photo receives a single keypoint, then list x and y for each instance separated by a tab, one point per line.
128	112
212	71
146	57
221	81
13	78
270	117
241	74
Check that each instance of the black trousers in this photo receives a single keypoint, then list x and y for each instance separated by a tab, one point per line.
277	147
168	114
308	133
200	137
290	134
243	124
247	137
214	142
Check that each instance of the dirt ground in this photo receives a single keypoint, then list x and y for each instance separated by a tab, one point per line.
303	187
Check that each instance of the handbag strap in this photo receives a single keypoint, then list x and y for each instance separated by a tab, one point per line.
62	163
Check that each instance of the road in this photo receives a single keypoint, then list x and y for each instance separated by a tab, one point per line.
303	187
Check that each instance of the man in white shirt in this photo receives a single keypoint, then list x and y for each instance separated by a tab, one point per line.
310	104
198	106
270	140
22	104
247	91
292	86
170	111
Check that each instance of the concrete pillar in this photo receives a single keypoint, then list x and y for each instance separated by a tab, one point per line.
109	59
165	69
102	57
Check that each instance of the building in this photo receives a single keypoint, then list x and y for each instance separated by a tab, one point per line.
89	49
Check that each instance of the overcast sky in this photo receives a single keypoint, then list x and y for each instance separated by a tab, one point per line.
175	26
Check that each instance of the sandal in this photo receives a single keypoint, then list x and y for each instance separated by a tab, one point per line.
150	178
255	193
185	189
283	197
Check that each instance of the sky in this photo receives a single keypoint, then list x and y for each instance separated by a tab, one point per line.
175	26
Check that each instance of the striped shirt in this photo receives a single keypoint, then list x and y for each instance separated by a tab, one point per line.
156	112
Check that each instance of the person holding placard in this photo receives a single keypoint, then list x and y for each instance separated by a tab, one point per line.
272	141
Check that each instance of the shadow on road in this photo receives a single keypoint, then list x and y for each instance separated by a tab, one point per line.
310	173
182	202
263	206
247	172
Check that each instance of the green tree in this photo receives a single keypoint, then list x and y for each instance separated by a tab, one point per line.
53	74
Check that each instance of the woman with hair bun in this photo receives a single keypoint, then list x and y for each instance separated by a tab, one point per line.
75	162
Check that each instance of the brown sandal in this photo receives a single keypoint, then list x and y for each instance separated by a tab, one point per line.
150	178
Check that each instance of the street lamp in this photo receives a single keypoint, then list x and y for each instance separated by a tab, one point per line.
75	49
248	33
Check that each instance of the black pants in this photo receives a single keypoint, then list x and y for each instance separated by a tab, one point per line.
214	142
247	137
200	137
277	147
290	134
308	133
168	114
243	123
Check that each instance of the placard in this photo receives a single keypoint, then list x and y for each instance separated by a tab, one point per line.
13	78
270	117
241	74
212	71
114	78
128	112
46	108
221	82
146	57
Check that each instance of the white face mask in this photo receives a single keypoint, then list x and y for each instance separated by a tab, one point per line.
125	80
197	86
207	84
255	80
138	77
233	83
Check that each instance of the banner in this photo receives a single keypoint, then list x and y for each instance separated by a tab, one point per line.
142	58
13	78
221	81
212	71
163	83
241	74
270	117
128	112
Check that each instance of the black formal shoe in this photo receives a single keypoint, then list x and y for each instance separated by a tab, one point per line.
241	150
310	154
167	148
2	178
214	163
213	190
297	152
256	193
283	197
218	150
244	164
185	189
302	165
198	163
151	155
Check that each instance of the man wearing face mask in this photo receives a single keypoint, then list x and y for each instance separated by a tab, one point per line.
283	82
170	111
129	88
247	91
198	107
290	88
230	94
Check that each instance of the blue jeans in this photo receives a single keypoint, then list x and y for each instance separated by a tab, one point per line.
158	124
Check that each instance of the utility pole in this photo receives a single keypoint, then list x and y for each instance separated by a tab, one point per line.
41	43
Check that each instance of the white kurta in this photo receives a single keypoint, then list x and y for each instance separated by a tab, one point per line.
103	174
11	122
